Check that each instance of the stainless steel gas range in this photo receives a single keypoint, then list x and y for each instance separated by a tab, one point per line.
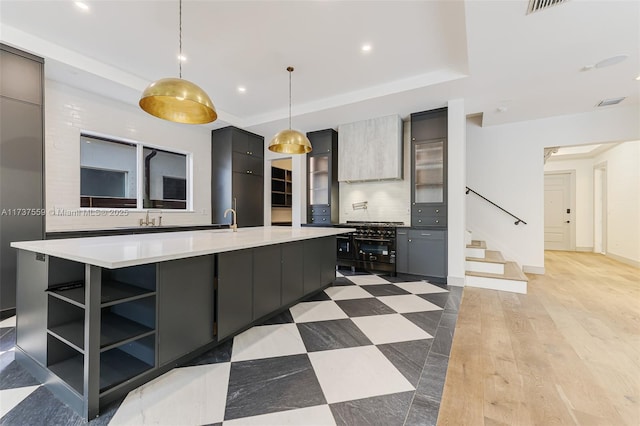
371	247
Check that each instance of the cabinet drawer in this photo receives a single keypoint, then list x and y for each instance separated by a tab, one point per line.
320	210
435	211
243	163
426	234
429	221
320	218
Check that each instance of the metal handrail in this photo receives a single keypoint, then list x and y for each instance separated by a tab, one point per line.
518	220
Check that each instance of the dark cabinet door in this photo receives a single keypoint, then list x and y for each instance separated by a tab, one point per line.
428	253
234	296
185	306
248	192
243	163
267	276
312	274
322	177
255	146
402	250
327	246
292	272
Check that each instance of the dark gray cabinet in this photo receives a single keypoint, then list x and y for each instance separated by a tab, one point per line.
292	272
237	181
22	162
185	306
429	168
267	278
235	291
319	263
323	201
421	251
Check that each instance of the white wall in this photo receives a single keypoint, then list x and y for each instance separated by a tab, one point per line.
456	178
505	164
623	201
68	111
388	201
584	198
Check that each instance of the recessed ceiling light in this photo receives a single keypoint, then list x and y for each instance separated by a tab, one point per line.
611	61
242	89
366	48
82	5
638	77
502	108
182	58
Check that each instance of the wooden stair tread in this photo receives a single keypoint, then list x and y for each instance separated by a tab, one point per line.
490	256
511	272
477	244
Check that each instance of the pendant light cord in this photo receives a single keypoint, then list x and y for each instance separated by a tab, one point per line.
290	69
180	56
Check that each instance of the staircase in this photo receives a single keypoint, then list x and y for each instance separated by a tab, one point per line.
488	269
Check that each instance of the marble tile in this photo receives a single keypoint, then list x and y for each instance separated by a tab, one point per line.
408	303
455	297
347	292
336	334
271	385
9	398
421	287
310	416
338	274
221	353
423	412
267	341
342	281
42	408
190	395
428	321
6	359
432	378
384	290
283	317
367	279
392	328
448	319
408	357
8	340
316	311
439	299
442	341
14	375
364	307
344	375
318	297
8	322
5	330
387	410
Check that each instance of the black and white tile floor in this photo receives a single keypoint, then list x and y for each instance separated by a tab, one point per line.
369	350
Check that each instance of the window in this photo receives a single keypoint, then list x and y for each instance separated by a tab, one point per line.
109	176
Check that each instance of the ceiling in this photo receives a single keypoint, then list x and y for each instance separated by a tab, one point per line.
506	64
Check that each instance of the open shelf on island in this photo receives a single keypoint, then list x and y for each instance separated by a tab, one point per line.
72	292
117	292
70	370
115	329
71	333
125	362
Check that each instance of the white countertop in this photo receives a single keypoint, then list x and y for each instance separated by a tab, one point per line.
128	250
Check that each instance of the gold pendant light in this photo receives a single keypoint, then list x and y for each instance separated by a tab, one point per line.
290	141
178	100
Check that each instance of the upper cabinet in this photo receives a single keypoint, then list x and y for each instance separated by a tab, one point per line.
237	181
370	149
429	168
322	183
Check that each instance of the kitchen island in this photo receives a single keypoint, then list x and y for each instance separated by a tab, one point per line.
100	316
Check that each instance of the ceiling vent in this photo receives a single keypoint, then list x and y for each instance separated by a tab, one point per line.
612	101
536	5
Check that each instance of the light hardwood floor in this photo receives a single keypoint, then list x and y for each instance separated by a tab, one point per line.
566	353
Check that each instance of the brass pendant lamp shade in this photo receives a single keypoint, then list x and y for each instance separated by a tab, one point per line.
178	100
290	141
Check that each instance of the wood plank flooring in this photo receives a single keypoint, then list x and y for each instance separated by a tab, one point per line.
567	353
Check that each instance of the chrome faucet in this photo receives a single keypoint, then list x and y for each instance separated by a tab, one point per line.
233	225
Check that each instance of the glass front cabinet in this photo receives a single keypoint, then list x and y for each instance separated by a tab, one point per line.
322	178
429	168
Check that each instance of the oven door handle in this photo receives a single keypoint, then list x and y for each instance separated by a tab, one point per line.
377	240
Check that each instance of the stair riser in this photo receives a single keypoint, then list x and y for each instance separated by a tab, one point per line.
487	267
497	284
475	252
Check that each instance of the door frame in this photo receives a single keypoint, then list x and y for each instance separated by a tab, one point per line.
572	203
600	207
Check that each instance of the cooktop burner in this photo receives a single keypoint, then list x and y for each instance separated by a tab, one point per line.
357	223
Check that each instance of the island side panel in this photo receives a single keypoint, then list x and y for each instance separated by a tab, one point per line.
91	376
235	291
292	272
267	278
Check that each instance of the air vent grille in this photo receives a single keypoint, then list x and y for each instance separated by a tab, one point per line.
536	5
613	101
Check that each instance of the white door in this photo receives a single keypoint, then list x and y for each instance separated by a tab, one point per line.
557	211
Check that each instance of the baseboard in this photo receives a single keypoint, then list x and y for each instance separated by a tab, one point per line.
587	249
624	260
538	270
456	281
